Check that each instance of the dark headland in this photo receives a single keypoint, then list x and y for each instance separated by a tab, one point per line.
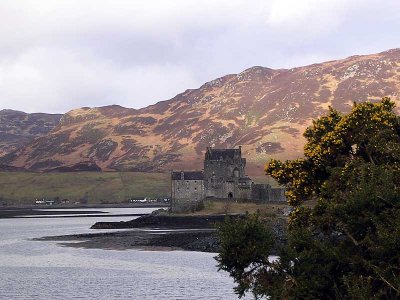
160	232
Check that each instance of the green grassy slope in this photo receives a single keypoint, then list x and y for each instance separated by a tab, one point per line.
95	187
111	187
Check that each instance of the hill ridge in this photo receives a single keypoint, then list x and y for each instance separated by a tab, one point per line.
262	109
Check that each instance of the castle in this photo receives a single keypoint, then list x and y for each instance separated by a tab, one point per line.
223	177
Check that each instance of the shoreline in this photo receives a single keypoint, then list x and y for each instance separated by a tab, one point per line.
64	211
196	240
160	232
38	213
93	205
166	221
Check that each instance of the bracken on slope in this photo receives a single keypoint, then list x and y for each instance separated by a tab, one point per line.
18	128
263	110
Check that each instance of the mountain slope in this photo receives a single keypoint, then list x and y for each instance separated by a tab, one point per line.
18	128
264	110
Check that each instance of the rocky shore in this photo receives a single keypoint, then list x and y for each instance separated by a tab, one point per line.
167	221
161	232
191	240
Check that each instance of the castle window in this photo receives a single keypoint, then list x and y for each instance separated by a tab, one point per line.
236	173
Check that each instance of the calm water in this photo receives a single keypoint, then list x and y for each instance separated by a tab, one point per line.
45	270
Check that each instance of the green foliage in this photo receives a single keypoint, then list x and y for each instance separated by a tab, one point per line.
370	132
245	244
348	245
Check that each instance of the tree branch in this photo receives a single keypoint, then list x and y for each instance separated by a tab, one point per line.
375	268
350	236
386	201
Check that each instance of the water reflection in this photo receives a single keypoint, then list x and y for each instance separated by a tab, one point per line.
44	270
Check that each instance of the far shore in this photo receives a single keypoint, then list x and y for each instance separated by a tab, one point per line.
91	205
61	211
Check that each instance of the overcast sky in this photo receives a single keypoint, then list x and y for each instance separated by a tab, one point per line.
57	55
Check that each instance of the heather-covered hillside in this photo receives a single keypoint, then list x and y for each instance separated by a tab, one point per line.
263	110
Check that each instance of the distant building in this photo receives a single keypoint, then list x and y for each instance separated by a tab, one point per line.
223	177
50	202
40	201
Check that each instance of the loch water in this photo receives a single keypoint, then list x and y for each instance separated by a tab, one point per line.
47	270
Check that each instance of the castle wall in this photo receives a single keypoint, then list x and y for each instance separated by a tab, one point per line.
265	193
260	192
188	189
224	169
186	194
243	189
277	195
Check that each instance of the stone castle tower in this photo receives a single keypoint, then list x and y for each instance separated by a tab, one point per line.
223	177
224	174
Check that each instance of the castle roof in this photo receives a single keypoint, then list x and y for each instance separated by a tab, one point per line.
187	175
216	154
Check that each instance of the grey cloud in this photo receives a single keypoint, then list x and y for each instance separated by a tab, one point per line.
59	55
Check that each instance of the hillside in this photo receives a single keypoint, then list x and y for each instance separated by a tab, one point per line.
264	110
18	128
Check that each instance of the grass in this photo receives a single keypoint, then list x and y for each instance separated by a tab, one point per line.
19	188
108	187
222	207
